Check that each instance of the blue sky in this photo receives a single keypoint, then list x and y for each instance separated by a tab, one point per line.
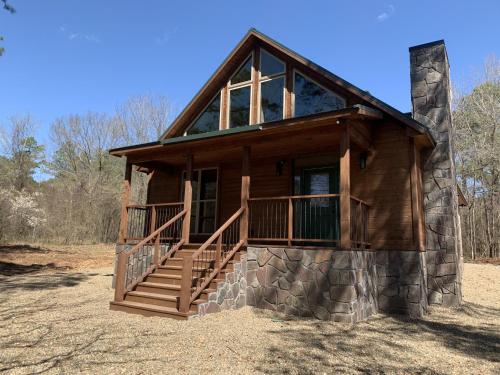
68	56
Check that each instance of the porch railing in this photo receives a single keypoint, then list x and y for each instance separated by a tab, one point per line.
135	264
359	223
206	263
145	219
299	218
305	219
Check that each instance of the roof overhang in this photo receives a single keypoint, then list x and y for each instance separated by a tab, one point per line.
252	132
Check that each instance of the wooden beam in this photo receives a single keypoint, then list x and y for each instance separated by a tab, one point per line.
416	197
254	114
288	90
360	136
245	193
345	188
224	101
188	197
122	234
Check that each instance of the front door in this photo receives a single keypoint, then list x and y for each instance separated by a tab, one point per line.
204	201
319	216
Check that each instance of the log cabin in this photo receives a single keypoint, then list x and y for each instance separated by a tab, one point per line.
284	187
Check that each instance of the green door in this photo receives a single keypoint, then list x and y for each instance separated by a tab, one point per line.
319	217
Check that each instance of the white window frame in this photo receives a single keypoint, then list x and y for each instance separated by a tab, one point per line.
200	201
297	71
260	65
239	86
262	78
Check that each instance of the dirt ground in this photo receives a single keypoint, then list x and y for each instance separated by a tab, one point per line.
57	321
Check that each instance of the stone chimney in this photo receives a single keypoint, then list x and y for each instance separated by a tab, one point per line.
431	99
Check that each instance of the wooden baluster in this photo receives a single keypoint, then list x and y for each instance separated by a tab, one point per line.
186	282
120	277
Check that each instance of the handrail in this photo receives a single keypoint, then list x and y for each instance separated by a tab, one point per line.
218	232
156	232
360	201
295	197
121	272
154	205
187	295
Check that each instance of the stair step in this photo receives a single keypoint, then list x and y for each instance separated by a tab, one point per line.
149	310
159	288
158	300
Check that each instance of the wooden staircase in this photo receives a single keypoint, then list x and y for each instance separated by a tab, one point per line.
158	294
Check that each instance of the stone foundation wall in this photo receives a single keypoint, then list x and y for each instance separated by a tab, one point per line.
230	294
401	282
326	284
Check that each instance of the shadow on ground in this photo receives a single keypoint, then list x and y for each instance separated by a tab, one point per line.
43	281
13	269
25	249
377	344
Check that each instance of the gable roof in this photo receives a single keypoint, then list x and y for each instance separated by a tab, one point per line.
244	46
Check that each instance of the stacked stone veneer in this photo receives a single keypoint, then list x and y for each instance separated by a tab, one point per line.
431	97
401	281
230	294
326	284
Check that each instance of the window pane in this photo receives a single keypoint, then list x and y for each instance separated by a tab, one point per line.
209	120
194	210
244	74
270	65
271	102
207	217
239	111
311	98
208	184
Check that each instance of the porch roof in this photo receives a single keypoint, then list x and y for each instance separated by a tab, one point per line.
248	134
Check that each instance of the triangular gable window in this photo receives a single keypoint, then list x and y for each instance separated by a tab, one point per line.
312	98
208	120
270	65
244	74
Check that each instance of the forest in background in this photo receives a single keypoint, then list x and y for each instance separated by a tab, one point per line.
79	202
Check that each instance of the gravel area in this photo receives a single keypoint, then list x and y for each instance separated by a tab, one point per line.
59	323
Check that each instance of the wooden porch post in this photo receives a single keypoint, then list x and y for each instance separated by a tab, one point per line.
245	193
122	234
345	188
416	198
188	197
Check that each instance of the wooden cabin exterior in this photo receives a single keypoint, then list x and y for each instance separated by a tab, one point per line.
274	155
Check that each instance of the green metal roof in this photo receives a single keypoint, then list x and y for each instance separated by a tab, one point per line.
213	134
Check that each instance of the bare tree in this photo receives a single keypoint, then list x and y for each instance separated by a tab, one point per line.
477	122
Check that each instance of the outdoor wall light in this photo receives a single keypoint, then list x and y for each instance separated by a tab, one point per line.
279	167
362	160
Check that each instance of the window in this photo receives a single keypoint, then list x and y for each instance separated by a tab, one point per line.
271	103
204	200
208	120
270	65
240	93
312	98
244	74
272	87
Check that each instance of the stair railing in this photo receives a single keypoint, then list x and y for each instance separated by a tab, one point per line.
140	261
205	264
